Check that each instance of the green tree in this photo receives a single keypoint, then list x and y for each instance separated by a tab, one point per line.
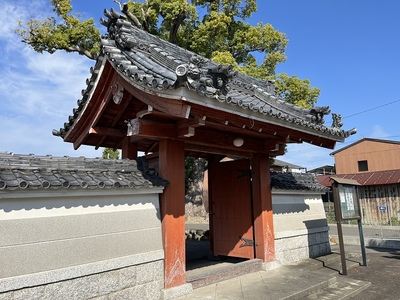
109	153
219	33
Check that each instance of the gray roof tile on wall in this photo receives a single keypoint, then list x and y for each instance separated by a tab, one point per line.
49	172
296	181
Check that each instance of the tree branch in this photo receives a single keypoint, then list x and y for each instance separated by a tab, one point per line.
79	50
131	16
173	33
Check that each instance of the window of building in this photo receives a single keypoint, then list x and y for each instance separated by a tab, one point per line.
362	165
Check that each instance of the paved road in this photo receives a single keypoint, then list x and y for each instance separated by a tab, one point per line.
383	265
383	232
382	270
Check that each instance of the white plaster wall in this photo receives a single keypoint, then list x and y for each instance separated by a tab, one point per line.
76	230
300	225
295	211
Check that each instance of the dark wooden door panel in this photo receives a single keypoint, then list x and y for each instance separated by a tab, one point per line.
230	193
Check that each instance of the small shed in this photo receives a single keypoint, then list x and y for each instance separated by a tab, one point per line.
379	195
148	95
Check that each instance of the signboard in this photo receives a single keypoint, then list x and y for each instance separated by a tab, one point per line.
349	205
383	208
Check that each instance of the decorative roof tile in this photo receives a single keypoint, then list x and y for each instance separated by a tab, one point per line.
49	172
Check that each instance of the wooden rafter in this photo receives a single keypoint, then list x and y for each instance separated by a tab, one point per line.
95	115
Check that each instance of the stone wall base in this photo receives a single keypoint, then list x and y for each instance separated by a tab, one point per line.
176	291
295	246
142	281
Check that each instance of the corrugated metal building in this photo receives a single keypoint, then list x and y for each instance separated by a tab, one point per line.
375	164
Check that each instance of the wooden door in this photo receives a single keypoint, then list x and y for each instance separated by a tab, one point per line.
231	211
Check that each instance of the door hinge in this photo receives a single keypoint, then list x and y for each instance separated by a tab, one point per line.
247	243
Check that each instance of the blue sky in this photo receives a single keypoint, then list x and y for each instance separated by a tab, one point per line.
347	48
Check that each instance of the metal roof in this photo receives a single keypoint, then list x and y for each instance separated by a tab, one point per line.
368	178
344	180
48	172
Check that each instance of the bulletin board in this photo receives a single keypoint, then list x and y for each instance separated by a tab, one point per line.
349	204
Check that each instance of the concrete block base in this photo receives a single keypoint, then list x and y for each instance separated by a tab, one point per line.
176	291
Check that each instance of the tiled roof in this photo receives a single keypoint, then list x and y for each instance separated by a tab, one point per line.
368	178
49	172
157	66
296	181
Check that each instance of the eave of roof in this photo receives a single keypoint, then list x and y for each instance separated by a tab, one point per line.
160	68
19	172
365	140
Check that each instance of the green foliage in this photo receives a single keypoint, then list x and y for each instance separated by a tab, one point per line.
64	32
189	168
224	58
109	153
194	171
296	91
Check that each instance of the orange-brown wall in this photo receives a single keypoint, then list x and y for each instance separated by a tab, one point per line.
381	156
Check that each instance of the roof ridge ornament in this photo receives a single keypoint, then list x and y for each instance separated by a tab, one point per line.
206	79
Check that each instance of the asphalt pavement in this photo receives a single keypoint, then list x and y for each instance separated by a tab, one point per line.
370	231
382	271
374	236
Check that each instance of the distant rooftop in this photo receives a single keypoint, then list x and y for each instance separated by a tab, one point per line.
286	166
367	178
363	140
323	170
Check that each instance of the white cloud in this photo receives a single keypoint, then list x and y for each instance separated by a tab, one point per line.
37	91
379	132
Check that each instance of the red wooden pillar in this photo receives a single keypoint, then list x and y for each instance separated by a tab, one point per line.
262	208
172	168
129	150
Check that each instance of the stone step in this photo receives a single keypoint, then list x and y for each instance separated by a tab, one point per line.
343	288
315	289
210	276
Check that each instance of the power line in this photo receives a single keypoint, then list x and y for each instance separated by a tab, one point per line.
361	112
